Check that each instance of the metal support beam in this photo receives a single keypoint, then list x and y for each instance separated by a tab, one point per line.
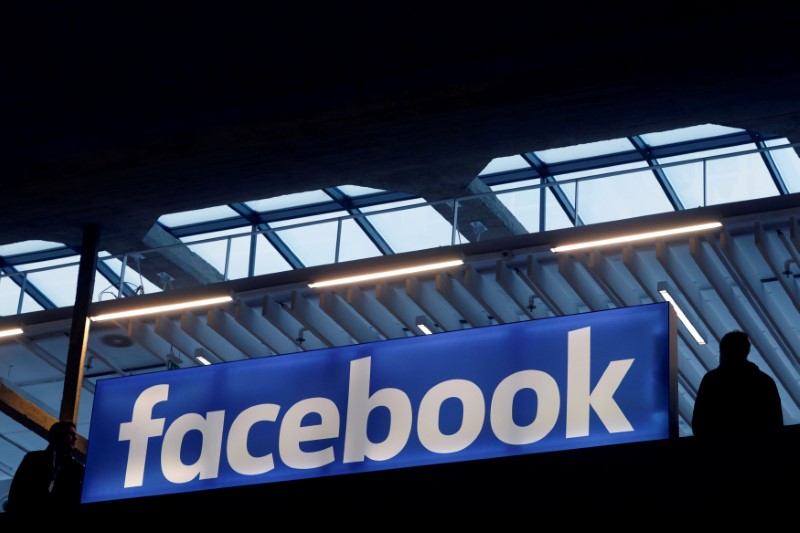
31	415
79	330
348	318
228	328
290	326
263	330
376	313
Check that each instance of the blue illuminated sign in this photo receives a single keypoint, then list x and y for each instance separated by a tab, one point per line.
561	383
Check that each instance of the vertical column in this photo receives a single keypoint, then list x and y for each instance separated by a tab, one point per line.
79	331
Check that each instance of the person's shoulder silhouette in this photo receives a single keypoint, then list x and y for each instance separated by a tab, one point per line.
49	479
737	397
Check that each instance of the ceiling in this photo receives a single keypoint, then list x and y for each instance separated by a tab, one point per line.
741	276
115	120
129	115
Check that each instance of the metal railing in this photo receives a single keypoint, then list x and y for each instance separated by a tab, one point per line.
124	273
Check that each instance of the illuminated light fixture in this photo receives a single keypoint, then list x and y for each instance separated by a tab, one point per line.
424	324
387	273
200	355
682	316
161	308
636	237
10	332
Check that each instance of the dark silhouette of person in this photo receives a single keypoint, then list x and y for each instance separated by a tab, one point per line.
50	479
737	397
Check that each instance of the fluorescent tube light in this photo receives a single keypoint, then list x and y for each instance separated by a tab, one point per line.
386	273
424	325
203	360
161	308
10	332
636	237
682	316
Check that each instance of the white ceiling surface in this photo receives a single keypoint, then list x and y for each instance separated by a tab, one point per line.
733	277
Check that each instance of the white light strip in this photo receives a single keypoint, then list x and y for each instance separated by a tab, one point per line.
682	317
203	360
10	332
424	329
424	324
636	237
161	308
387	273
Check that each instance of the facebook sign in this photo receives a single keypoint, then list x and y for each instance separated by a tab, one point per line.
593	379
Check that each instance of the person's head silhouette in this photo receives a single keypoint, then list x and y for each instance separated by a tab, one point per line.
62	436
734	347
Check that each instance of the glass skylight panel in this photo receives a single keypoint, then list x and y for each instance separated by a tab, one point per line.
19	248
627	195
525	205
268	260
691	133
354	243
634	192
719	180
236	261
314	242
505	164
103	289
354	191
289	200
414	228
57	279
555	217
9	297
185	218
787	162
134	281
583	151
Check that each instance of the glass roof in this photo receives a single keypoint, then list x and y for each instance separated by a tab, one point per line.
583	151
543	190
